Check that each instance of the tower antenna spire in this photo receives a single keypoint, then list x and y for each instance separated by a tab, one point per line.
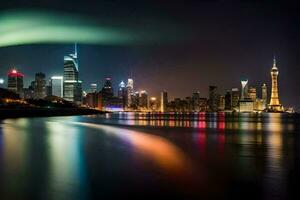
75	53
274	61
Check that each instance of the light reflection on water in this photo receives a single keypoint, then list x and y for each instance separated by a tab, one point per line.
66	159
264	122
120	154
166	155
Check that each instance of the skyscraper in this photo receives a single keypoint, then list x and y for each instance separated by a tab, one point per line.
163	101
252	93
196	101
235	97
93	87
143	100
153	104
107	89
72	85
40	86
15	82
221	102
130	91
122	93
274	102
213	99
92	99
246	104
228	100
56	83
121	89
244	92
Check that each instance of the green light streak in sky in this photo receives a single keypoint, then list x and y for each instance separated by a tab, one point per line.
31	27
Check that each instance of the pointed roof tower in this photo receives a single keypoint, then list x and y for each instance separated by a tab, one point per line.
274	63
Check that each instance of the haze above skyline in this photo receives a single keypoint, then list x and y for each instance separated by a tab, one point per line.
209	43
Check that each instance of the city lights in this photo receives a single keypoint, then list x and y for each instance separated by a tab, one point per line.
69	87
149	100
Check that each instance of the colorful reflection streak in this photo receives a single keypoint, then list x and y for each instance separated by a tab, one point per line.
264	122
37	155
274	177
14	159
166	155
84	157
66	160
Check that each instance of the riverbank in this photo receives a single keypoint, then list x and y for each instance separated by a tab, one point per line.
45	112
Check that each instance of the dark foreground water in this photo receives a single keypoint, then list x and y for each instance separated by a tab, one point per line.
139	156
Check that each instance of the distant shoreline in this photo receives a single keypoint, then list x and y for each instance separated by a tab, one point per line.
6	113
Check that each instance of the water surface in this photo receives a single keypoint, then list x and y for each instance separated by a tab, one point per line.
129	155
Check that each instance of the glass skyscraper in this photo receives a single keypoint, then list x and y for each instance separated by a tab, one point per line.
57	86
40	86
15	82
213	99
163	101
72	85
130	92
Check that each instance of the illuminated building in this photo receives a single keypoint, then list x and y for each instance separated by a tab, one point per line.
252	93
134	100
107	89
92	99
188	104
122	93
274	102
143	100
57	88
93	87
179	105
28	93
235	97
228	100
108	103
130	92
122	89
244	92
264	95
213	99
107	94
203	104
15	82
259	105
221	103
40	86
246	105
163	101
196	101
72	85
153	106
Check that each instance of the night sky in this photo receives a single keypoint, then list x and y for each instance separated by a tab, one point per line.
199	44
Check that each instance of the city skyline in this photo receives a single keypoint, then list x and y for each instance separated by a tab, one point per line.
244	82
128	99
181	99
238	40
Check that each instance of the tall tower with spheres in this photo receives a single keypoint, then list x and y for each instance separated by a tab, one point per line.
275	105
